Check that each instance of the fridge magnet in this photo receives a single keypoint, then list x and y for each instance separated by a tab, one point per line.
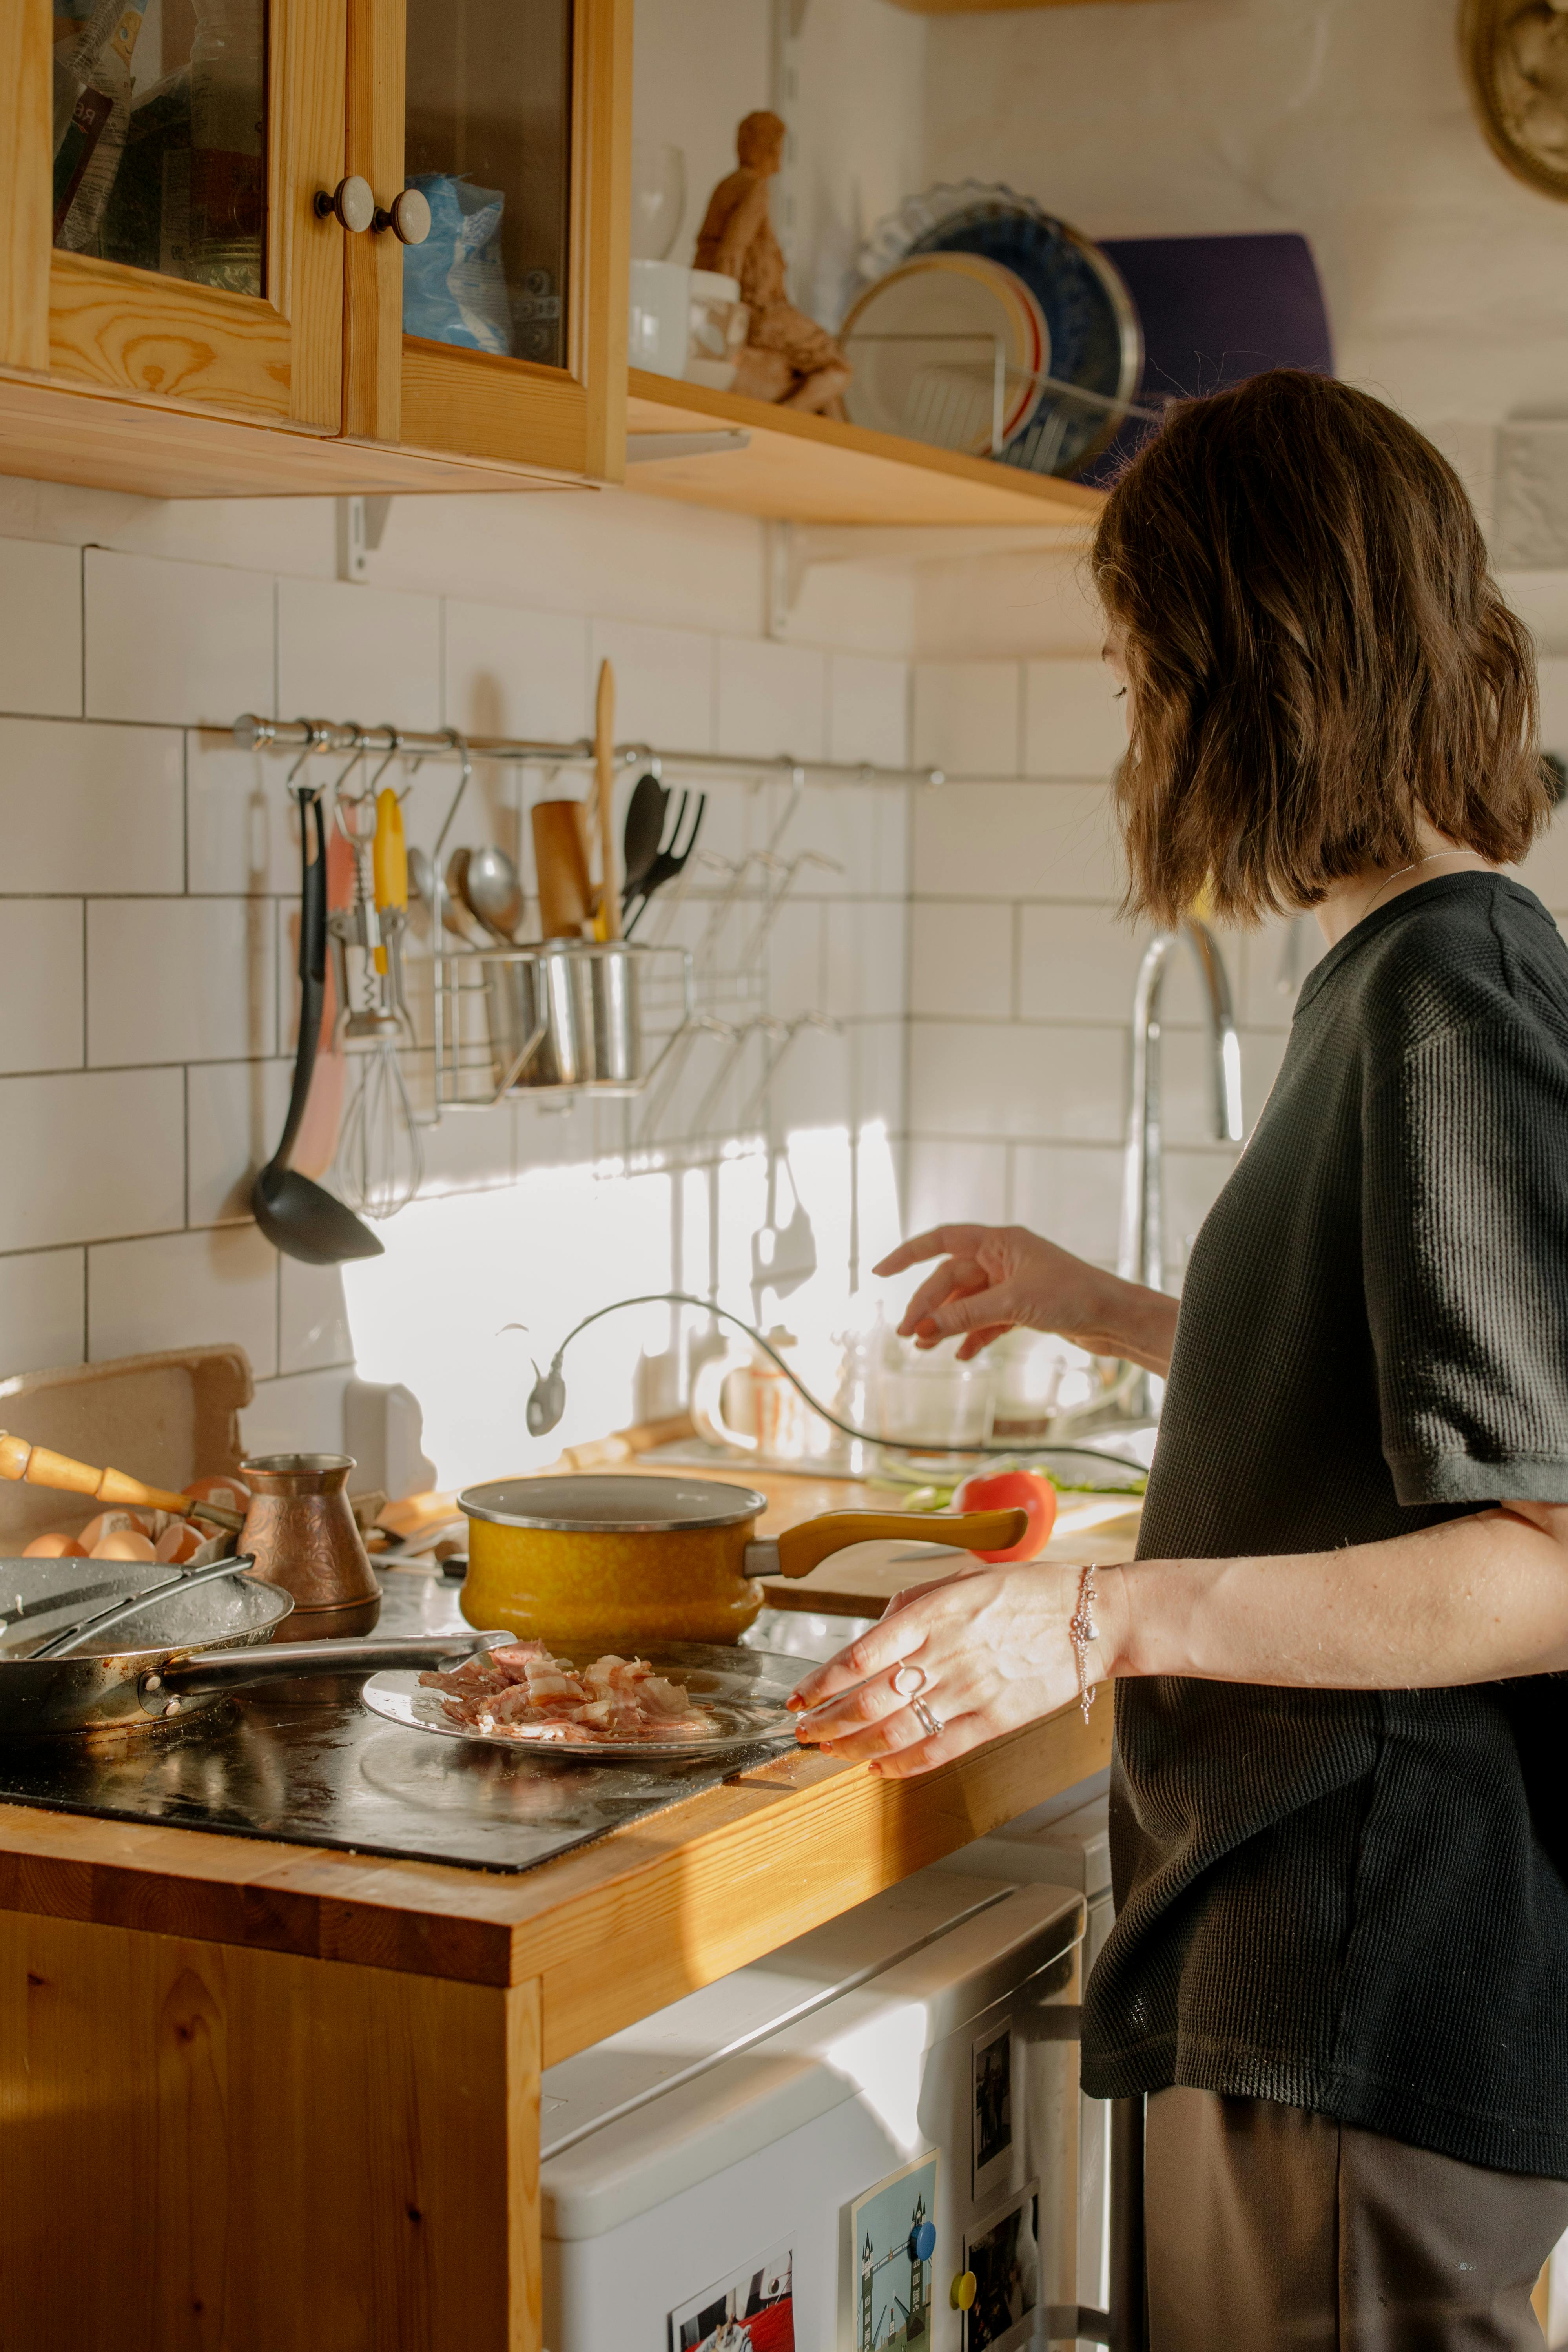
892	2229
752	2311
1003	2259
992	2109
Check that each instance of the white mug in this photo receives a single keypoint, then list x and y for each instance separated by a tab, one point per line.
659	324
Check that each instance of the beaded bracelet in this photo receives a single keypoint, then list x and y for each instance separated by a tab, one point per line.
1082	1630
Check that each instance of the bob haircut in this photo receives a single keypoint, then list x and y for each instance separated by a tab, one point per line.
1318	655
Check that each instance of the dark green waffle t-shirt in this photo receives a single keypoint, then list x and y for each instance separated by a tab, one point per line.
1355	1901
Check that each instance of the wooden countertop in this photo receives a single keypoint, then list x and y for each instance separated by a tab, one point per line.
611	1930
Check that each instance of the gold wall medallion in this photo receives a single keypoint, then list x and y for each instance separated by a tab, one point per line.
1515	55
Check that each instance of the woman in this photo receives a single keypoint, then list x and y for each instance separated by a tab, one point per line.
1338	1823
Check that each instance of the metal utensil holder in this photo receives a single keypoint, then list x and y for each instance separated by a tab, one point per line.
566	1018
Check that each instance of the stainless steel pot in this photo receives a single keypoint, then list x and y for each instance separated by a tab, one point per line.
189	1652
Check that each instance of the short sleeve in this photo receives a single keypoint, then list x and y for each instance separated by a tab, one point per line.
1465	1249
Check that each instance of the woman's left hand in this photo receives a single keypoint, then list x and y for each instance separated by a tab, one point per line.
982	1651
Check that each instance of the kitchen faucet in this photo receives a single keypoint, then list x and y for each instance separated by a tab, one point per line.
1141	1257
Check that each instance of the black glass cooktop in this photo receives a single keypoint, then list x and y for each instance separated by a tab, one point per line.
304	1762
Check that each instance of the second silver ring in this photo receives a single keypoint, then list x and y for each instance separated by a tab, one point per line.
931	1724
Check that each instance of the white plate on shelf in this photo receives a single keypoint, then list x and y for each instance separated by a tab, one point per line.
923	343
741	1691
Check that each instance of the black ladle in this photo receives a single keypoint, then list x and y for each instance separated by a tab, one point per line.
644	831
300	1217
668	862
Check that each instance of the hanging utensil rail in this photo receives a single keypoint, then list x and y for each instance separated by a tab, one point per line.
256	734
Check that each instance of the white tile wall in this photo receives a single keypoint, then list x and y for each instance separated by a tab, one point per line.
90	808
961	959
147	947
1013	840
40	628
186	644
968	718
1073	723
355	652
43	1309
772	698
40	984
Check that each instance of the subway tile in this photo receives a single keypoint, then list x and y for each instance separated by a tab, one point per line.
771	698
868	710
1016	841
814	1084
966	716
234	1116
348	652
185	1290
90	808
40	984
868	953
1073	725
179	980
951	1182
241	831
863	829
664	683
183	643
469	1150
43	1310
879	1051
1073	1196
1545	870
105	1154
1046	1086
1552	674
40	627
1079	963
312	1317
960	960
797	960
302	1412
513	672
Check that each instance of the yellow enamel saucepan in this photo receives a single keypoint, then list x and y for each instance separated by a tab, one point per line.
582	1559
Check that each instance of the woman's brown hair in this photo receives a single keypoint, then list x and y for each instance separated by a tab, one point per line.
1317	650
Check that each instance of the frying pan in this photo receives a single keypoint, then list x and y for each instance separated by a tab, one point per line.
181	1660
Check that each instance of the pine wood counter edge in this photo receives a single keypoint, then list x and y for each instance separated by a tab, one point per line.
612	1930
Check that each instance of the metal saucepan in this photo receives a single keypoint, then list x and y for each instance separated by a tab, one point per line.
585	1560
189	1651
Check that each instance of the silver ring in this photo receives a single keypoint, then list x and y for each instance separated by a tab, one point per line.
928	1722
909	1680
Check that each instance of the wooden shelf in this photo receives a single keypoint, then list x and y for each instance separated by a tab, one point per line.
802	469
978	7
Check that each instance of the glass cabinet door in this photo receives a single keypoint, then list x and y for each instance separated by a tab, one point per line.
160	137
488	143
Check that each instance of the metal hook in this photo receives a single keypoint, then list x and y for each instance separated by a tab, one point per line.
321	735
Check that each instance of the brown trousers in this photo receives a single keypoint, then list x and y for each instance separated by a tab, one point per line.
1270	2229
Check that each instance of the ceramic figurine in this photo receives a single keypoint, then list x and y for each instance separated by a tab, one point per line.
788	357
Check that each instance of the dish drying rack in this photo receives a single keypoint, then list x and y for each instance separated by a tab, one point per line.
644	1008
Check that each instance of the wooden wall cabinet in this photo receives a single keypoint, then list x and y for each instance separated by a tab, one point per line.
218	328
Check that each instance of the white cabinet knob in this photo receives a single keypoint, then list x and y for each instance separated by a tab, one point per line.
407	216
352	201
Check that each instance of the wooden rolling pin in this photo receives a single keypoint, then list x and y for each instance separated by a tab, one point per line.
38	1467
607	925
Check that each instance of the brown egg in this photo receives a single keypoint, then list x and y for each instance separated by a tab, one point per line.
178	1543
115	1523
230	1494
126	1544
55	1547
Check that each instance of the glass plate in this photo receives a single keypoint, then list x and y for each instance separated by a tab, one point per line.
744	1692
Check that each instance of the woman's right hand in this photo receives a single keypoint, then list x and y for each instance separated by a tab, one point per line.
996	1277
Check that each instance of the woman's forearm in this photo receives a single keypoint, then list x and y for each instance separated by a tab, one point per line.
1474	1599
1123	1319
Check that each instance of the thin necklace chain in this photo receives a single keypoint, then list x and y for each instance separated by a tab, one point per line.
1400	873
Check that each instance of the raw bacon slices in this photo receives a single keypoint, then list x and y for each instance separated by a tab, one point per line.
522	1692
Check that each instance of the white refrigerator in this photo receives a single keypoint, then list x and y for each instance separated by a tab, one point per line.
866	2142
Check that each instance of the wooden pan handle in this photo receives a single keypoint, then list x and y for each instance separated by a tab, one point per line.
37	1466
609	912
